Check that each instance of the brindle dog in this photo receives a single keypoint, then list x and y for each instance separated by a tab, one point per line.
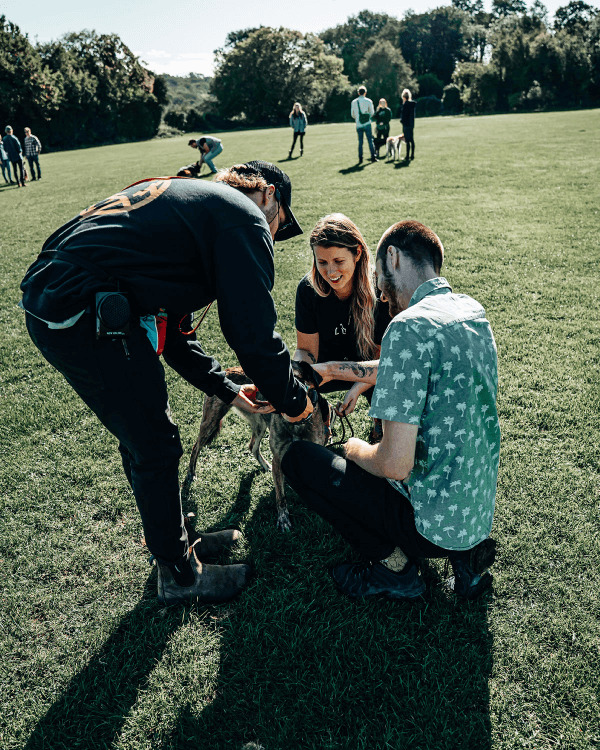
281	433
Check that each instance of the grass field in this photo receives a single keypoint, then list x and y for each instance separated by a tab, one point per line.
89	659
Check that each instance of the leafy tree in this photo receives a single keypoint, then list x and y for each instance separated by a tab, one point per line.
105	93
472	7
430	85
385	73
260	77
352	39
451	99
434	42
575	17
505	8
28	92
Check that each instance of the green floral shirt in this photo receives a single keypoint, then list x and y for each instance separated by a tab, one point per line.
439	370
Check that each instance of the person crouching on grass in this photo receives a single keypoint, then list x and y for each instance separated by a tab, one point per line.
428	488
338	316
209	147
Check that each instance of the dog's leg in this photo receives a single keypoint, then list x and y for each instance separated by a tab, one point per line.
258	423
283	516
213	412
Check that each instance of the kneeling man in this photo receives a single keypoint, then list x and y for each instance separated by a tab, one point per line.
428	488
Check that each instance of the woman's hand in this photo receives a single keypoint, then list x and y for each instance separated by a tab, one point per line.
321	370
246	401
348	405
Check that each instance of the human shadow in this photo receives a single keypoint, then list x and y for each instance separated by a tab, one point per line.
402	163
97	701
355	168
303	667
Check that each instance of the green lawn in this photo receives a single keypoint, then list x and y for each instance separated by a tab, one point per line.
89	659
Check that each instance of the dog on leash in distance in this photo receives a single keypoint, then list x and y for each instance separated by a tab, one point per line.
281	433
393	145
191	170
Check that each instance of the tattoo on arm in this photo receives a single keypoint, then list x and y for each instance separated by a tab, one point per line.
360	369
312	357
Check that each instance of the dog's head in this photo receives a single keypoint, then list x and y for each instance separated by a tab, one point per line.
191	170
308	377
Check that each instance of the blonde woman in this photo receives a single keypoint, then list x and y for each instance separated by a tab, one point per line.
298	122
338	315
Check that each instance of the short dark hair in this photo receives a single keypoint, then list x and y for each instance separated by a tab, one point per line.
419	243
362	90
192	142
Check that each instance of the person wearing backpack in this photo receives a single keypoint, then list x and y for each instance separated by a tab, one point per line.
362	110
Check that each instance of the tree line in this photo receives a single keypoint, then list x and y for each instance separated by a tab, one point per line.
83	89
455	58
89	88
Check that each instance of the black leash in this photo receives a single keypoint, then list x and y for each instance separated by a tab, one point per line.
343	438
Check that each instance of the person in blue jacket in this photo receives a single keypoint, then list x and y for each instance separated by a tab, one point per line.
299	122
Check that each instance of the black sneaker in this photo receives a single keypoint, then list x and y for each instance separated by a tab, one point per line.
374	158
358	580
471	577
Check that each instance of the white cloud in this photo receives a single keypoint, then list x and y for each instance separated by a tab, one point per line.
180	64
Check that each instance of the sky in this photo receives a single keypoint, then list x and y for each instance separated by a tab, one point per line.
179	36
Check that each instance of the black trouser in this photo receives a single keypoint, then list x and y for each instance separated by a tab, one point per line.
409	139
381	137
34	160
20	180
366	510
129	396
296	136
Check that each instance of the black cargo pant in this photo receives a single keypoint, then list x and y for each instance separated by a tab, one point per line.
366	510
129	396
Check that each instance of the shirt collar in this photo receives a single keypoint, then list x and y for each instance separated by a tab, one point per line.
429	287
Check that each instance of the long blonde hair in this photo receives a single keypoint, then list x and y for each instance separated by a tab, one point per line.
337	230
300	110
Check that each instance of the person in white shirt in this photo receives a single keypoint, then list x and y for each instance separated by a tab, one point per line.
362	110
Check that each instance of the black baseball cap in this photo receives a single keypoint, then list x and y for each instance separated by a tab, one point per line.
283	185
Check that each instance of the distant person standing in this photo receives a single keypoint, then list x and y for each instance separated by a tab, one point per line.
298	122
13	149
407	118
4	164
362	110
209	147
33	149
382	118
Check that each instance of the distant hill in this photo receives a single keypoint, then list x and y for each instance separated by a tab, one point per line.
187	92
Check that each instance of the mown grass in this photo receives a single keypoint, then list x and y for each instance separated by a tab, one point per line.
89	659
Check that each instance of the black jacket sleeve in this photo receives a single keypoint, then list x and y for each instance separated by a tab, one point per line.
185	355
244	274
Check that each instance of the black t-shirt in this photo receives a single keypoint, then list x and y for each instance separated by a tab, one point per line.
176	244
332	319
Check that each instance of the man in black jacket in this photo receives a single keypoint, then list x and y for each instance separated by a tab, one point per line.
13	149
407	118
175	245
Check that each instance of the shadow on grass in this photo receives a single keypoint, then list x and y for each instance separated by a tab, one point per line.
355	168
97	701
402	163
303	667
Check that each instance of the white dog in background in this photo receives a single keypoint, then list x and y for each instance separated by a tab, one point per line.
393	145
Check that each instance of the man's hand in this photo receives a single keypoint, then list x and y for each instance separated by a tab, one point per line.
246	401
